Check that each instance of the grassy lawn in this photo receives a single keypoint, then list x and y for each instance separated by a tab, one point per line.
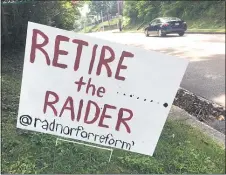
181	148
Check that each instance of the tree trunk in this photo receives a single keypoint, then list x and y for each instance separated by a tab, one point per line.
6	38
108	19
15	19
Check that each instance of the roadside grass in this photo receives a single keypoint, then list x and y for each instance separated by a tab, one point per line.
206	24
133	29
207	30
194	30
193	26
98	27
181	148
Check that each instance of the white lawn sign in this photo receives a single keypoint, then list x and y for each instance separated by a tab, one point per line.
92	90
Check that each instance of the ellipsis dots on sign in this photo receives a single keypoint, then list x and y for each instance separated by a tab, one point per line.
164	105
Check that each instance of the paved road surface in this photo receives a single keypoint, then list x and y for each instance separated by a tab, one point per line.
205	75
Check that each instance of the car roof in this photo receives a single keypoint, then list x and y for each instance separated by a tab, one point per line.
166	18
169	18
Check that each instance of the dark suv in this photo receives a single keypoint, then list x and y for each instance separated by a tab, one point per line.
166	25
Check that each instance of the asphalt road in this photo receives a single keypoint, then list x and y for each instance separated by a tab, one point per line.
205	75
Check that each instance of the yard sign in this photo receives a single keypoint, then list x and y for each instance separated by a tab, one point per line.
88	89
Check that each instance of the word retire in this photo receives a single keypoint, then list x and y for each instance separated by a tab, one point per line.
103	60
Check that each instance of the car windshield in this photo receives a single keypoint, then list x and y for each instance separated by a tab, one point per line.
170	19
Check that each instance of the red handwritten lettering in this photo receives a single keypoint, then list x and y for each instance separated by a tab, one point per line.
35	46
58	52
97	113
50	103
69	102
120	66
123	120
105	61
104	115
80	43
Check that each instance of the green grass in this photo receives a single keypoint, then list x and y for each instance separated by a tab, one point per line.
206	24
134	30
98	27
207	30
181	148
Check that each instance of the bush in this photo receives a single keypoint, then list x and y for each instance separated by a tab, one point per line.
15	17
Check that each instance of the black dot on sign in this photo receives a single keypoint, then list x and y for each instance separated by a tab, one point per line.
144	99
151	101
117	92
124	94
130	95
137	97
165	105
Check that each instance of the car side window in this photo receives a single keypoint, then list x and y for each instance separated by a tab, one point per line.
153	22
158	21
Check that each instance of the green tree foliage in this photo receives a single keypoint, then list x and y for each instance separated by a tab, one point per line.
16	14
66	16
106	7
145	11
130	11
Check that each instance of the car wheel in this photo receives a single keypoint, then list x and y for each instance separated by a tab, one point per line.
181	33
146	33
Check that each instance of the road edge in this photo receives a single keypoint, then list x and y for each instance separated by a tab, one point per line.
212	33
201	108
179	114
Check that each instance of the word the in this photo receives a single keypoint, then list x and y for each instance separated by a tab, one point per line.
99	91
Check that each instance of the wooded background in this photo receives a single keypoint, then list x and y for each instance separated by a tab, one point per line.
16	14
204	14
66	15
